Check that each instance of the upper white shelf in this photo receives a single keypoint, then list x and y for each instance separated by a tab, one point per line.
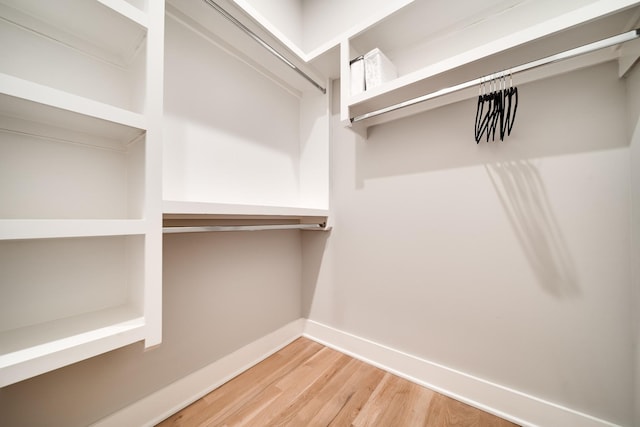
110	29
30	107
541	37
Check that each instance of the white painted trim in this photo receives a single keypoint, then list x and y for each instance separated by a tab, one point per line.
504	402
163	403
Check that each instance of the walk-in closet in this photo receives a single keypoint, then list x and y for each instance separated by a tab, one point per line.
443	196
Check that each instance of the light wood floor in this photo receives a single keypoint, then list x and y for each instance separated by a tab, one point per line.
307	384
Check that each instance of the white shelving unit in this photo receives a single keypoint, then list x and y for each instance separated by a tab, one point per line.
91	145
80	214
514	37
244	134
429	51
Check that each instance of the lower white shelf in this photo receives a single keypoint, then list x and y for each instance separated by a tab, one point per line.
68	299
33	350
19	229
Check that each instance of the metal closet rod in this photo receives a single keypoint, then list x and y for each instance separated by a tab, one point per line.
212	228
608	42
264	44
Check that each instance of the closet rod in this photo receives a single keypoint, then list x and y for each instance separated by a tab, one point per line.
264	44
211	228
592	47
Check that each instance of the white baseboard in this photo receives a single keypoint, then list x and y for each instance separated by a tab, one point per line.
180	394
504	402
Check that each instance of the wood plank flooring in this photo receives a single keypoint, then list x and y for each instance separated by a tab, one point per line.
307	384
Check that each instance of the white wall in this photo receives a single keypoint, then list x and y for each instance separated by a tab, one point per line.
509	262
221	292
633	91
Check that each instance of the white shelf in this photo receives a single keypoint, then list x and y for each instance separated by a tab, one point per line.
67	299
36	349
81	90
176	209
109	29
21	229
38	103
598	20
100	56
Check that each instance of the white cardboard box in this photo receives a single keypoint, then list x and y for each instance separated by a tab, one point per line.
371	70
378	69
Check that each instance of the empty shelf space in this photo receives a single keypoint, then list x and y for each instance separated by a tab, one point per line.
34	349
100	57
24	101
109	29
42	178
67	299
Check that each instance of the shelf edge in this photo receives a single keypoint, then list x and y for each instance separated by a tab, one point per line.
45	95
203	208
23	229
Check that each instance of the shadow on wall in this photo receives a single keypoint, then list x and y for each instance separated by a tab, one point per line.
523	196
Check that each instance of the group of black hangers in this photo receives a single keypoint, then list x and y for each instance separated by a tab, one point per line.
497	106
